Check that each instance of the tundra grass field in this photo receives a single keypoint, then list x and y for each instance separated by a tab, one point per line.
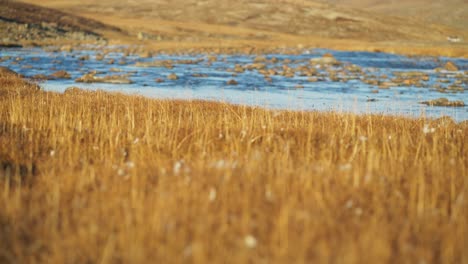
95	177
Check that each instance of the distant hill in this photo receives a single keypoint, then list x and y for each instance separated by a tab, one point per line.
452	13
32	14
227	25
292	17
22	23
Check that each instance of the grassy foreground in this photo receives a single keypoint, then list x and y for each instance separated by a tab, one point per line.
93	177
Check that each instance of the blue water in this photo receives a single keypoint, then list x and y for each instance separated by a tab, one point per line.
252	89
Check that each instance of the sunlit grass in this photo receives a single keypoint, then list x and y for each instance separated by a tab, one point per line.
93	177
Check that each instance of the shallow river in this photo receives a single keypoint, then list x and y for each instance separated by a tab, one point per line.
345	87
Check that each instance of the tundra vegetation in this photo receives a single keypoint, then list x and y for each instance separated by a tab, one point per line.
96	177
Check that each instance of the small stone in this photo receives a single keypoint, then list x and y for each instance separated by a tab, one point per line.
238	68
168	64
387	85
113	79
450	66
232	82
40	77
212	58
255	66
84	58
146	54
259	59
199	75
66	48
444	102
61	75
99	57
172	76
326	59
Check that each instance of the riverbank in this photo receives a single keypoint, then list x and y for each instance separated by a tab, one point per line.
101	177
231	27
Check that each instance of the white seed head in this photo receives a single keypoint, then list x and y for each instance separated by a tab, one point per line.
130	164
345	167
220	164
250	241
243	133
120	172
428	130
212	194
177	167
358	211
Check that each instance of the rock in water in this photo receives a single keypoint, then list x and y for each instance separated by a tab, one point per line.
172	76
66	48
146	54
444	102
232	82
114	79
84	58
61	75
450	66
99	57
260	59
40	77
326	59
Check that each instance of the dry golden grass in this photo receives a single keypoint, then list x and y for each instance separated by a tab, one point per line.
93	177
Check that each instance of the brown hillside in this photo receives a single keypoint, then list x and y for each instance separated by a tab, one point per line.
452	13
234	25
32	14
288	17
